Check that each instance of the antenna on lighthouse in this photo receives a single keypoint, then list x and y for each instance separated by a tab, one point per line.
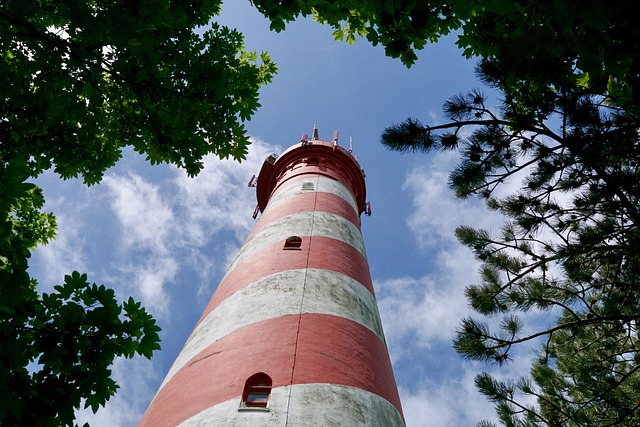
315	131
367	209
350	145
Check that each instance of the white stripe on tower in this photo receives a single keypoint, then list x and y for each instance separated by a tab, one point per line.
333	410
302	314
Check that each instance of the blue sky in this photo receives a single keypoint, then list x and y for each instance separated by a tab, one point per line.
166	239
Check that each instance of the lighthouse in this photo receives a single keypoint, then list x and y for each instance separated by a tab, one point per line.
292	335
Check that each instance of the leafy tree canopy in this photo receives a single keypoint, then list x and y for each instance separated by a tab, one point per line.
593	44
567	131
80	80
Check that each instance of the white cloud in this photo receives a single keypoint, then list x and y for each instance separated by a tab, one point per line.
429	307
421	312
145	215
437	212
425	311
215	199
450	403
62	256
164	226
149	276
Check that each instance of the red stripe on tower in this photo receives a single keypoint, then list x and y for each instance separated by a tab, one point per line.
292	336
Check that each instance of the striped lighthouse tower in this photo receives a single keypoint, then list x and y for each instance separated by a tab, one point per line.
292	336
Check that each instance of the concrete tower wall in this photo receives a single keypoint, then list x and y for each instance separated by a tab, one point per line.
296	304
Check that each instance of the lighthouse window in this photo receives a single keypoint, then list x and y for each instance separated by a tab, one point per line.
293	242
258	398
307	185
314	161
257	390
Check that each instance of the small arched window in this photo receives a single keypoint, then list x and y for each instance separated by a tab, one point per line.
293	242
257	390
313	161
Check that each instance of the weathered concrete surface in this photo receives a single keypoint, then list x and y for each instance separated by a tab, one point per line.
320	348
294	187
303	224
325	405
286	293
309	202
316	252
331	405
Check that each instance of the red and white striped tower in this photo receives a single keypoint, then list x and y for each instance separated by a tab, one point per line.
292	335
